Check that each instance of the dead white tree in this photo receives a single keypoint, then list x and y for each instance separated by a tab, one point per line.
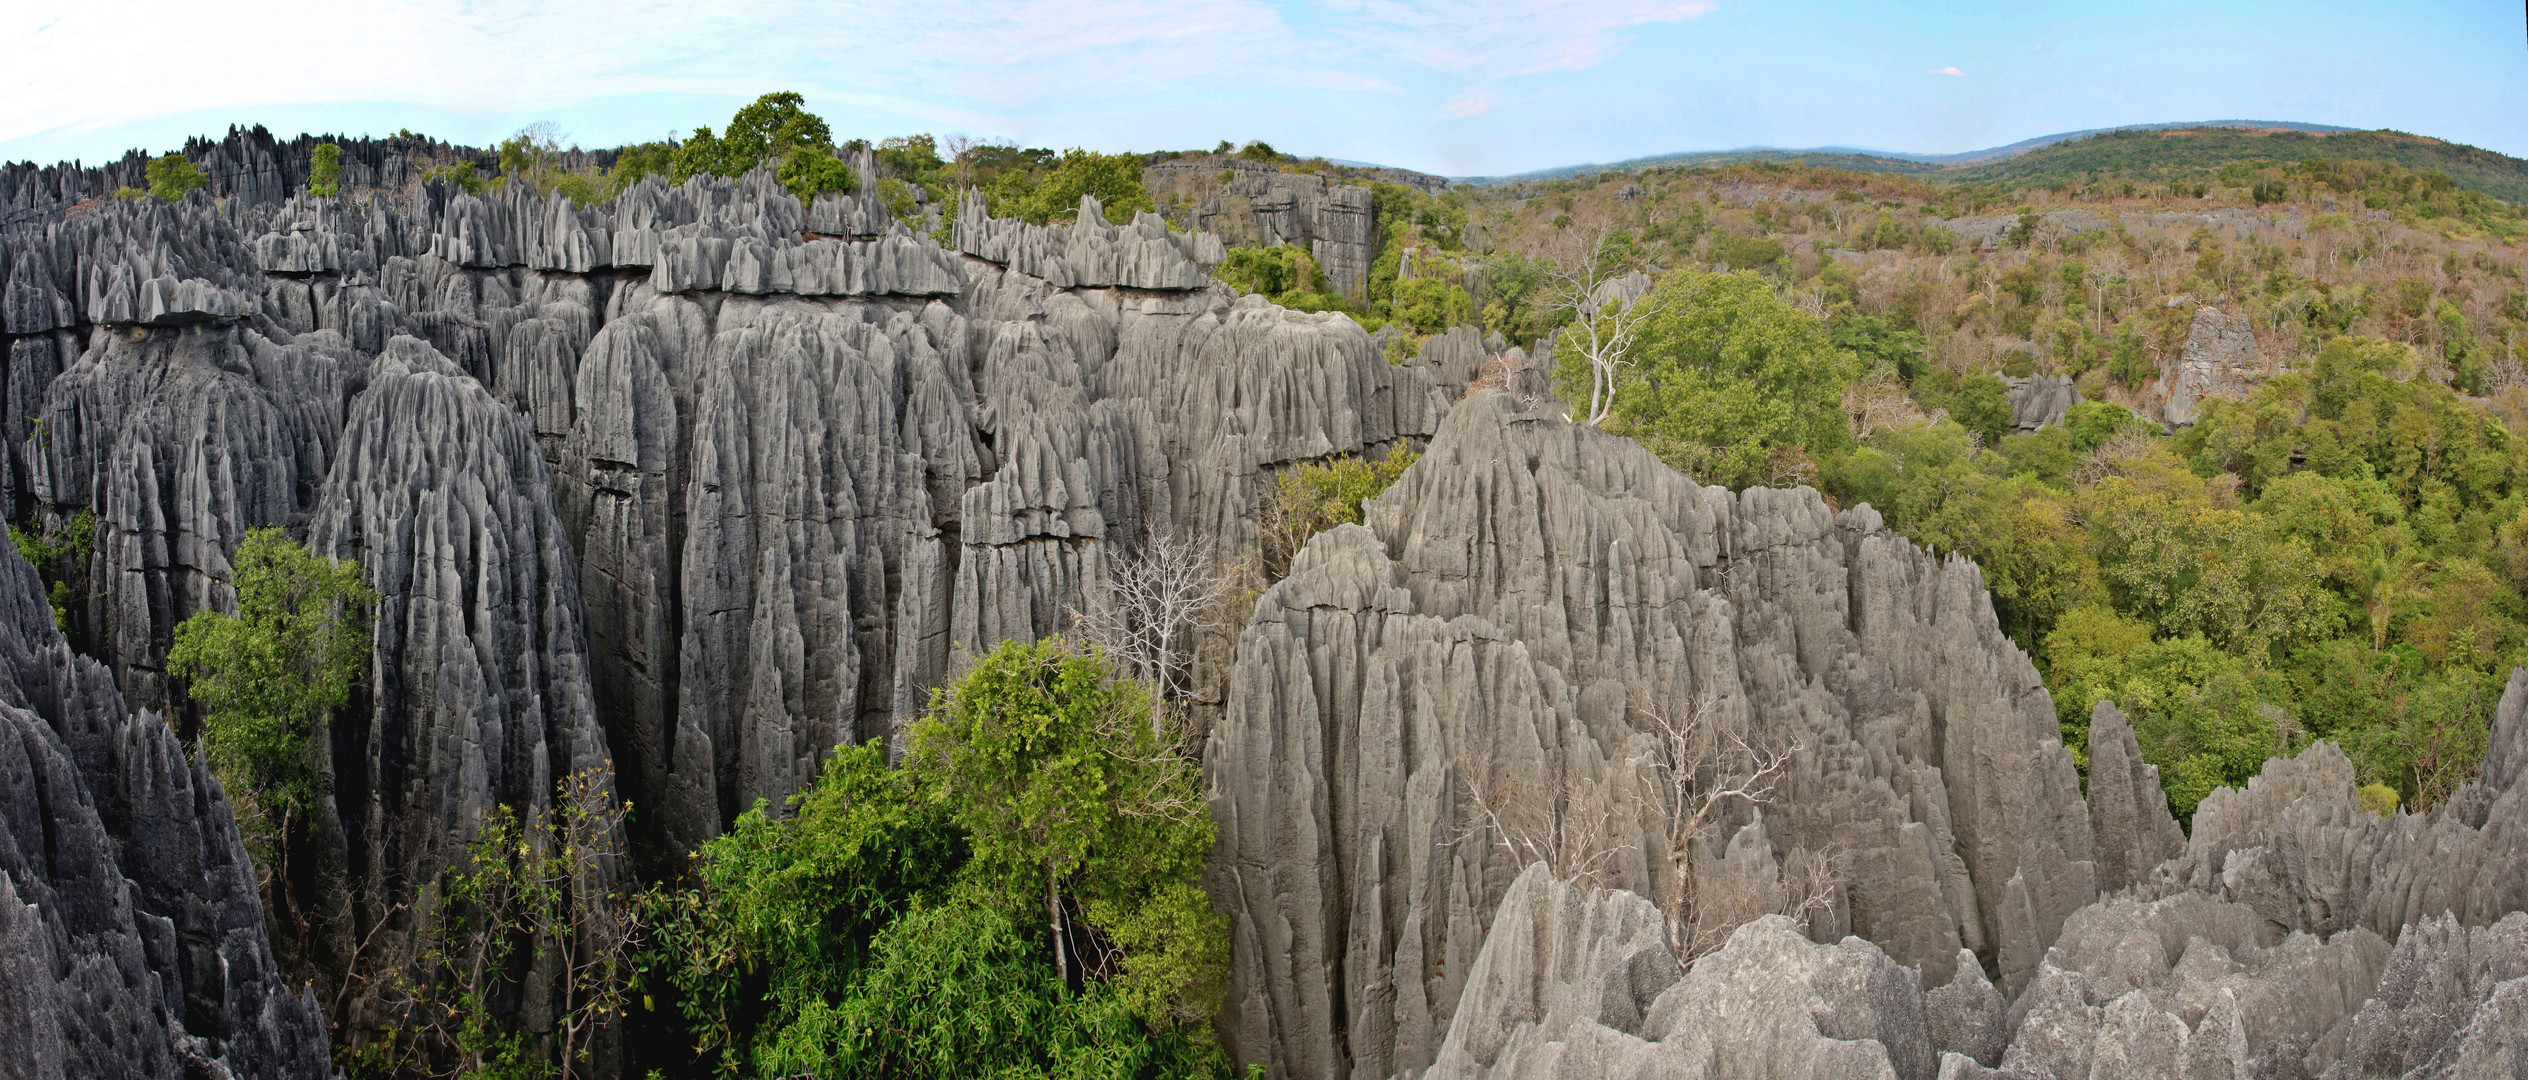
1696	770
1609	305
1572	826
1156	604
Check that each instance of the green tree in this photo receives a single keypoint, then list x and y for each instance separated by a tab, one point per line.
1734	385
267	677
1080	810
173	175
1115	179
324	172
776	131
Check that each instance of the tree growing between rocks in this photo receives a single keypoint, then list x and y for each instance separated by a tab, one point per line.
267	678
1606	301
324	171
1157	603
1020	897
172	176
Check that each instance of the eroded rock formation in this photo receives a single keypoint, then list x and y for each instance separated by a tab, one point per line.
131	940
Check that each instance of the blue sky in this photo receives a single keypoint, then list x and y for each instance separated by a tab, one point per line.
1459	87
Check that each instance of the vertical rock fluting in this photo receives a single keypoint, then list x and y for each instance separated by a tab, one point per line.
132	943
1514	615
479	694
181	440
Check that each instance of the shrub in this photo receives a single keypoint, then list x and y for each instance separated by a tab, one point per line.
173	175
60	556
1734	385
324	172
267	677
1313	498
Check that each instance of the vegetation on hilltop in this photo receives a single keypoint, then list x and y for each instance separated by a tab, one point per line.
2338	556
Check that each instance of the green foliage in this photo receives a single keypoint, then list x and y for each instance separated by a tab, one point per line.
1881	347
461	174
783	911
60	557
1313	498
1430	305
267	677
776	131
1052	192
1978	401
1259	150
173	175
1737	252
324	172
1287	275
1734	386
1022	897
2094	423
1077	806
1514	290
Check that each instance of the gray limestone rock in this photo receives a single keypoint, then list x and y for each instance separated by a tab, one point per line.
131	937
2039	401
1575	982
2128	811
2221	359
1401	662
479	694
1256	204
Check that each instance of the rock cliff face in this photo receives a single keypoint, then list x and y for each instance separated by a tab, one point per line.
691	486
2221	359
699	482
1521	613
131	940
2166	978
1253	203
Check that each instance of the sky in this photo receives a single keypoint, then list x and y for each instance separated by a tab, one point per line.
1456	87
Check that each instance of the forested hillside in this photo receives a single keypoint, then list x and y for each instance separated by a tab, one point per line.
2339	554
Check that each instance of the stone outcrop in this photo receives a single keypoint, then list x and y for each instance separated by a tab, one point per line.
1256	204
2039	401
1518	614
2221	359
132	943
1574	983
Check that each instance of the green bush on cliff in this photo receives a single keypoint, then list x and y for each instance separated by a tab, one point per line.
268	676
1020	897
173	175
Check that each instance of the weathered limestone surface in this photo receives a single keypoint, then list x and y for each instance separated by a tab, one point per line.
2037	401
131	940
2221	359
1515	611
1581	983
1254	203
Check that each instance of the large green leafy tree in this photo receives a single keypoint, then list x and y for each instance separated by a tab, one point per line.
266	679
1081	812
904	922
778	131
1732	384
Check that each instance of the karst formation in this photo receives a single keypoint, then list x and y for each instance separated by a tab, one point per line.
693	485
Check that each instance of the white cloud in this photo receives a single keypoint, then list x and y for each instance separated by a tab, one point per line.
1950	70
988	65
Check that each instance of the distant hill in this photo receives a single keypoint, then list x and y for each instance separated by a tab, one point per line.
2142	151
2189	152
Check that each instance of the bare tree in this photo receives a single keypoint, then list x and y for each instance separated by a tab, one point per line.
1571	827
1696	771
1609	305
1156	603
